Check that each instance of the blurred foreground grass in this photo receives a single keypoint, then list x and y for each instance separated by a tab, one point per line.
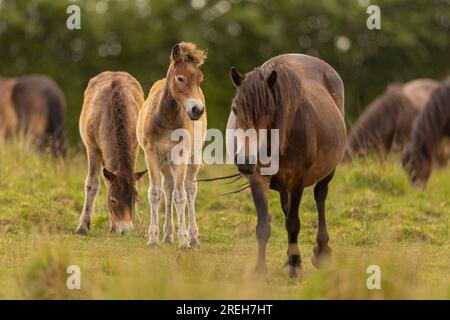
374	217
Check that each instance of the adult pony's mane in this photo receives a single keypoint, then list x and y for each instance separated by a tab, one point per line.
376	128
431	122
190	53
280	102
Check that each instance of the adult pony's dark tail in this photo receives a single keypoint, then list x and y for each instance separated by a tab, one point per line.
55	124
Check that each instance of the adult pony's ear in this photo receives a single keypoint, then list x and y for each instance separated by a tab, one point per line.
108	175
272	79
139	175
176	53
236	77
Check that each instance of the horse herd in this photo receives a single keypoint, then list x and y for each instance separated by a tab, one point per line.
300	95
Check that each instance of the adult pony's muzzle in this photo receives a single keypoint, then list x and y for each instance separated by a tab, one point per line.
247	167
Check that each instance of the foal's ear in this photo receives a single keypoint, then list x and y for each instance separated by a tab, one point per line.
236	77
139	175
108	175
272	79
205	53
176	53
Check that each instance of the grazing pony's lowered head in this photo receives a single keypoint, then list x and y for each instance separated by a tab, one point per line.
417	163
266	98
184	78
122	196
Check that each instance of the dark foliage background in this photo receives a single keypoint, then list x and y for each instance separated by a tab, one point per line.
136	36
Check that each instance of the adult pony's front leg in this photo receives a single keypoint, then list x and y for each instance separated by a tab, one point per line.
292	223
179	200
322	250
90	191
191	191
260	189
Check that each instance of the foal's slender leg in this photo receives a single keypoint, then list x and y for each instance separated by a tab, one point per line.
154	197
191	191
179	200
91	187
292	223
320	195
168	190
260	189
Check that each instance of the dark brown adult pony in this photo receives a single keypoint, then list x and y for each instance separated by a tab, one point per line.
40	105
8	116
303	97
431	127
387	122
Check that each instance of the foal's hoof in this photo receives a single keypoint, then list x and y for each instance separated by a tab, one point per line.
82	229
319	257
152	244
168	239
194	242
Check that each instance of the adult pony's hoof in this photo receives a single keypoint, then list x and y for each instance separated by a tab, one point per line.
82	229
293	264
320	256
260	269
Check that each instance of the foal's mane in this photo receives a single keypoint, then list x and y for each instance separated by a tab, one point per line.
379	118
431	122
120	129
280	102
190	53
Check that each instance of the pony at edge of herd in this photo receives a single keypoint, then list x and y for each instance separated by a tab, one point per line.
300	95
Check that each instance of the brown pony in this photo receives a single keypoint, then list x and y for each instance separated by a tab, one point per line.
8	116
303	97
108	129
387	122
34	107
174	104
431	127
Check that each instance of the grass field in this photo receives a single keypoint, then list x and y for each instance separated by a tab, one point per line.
374	217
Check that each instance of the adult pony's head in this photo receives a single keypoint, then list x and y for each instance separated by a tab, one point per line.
184	78
122	195
266	98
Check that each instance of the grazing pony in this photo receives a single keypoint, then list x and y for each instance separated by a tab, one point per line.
387	122
8	116
36	106
431	127
303	97
108	129
175	102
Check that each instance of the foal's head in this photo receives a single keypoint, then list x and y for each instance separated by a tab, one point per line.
122	196
184	78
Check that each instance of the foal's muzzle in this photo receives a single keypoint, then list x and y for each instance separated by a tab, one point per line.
195	109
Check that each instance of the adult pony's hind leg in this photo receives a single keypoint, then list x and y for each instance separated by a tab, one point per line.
90	191
260	189
292	224
322	250
191	192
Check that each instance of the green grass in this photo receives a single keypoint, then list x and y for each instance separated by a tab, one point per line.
374	217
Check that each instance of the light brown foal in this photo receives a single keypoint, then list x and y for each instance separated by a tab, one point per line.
108	128
175	102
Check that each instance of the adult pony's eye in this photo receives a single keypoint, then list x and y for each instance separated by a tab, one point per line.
179	78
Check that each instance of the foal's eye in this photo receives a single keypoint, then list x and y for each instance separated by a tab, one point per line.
114	201
233	108
179	79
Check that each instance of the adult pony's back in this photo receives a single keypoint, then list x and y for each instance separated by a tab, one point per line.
40	106
387	122
302	97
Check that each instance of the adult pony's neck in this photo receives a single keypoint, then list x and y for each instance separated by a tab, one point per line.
121	130
264	107
433	121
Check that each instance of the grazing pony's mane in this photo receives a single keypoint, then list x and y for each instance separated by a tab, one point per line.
376	128
190	53
258	101
120	130
432	121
